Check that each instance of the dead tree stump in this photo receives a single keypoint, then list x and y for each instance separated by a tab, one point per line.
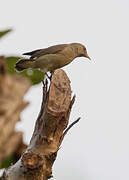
51	127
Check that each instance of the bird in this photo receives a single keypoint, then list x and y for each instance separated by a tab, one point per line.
52	58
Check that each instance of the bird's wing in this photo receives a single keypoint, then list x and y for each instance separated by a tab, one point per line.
50	50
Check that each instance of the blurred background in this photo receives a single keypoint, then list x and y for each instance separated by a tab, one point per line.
97	148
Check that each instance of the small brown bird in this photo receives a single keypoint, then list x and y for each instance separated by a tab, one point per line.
52	58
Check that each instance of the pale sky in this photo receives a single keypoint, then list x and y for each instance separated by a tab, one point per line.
97	148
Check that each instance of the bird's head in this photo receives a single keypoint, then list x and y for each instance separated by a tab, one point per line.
81	50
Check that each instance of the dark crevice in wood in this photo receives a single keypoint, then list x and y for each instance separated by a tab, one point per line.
51	127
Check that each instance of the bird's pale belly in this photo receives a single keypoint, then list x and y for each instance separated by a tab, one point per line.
52	61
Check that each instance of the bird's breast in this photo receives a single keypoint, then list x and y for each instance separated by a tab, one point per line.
50	62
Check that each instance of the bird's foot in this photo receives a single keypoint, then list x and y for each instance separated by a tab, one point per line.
51	74
49	77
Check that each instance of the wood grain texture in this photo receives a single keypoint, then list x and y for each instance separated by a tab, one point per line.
50	129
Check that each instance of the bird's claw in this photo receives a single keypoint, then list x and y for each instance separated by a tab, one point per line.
49	77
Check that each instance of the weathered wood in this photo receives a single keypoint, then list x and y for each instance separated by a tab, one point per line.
51	126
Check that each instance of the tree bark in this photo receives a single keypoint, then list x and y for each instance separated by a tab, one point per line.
51	126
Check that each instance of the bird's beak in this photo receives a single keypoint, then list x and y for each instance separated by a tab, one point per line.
86	55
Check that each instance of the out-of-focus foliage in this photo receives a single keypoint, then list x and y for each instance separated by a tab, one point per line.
8	162
35	76
2	33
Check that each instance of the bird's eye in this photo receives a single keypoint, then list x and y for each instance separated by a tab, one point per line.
84	49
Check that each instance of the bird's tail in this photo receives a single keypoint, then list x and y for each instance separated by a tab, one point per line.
24	64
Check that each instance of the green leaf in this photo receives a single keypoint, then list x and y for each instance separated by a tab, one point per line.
35	75
3	33
8	162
